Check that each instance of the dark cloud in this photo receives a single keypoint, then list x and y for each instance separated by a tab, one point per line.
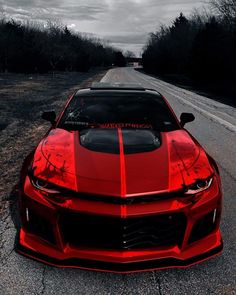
43	9
129	38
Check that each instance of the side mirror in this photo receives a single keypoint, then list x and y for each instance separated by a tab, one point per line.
186	118
49	116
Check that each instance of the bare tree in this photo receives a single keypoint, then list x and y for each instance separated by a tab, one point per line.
225	8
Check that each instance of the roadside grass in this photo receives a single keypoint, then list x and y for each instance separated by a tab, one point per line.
22	99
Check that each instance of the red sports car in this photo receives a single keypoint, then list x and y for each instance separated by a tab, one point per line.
117	184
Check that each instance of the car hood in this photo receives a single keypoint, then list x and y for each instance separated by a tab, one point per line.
120	163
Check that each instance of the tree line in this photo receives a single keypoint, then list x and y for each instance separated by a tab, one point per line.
201	47
30	48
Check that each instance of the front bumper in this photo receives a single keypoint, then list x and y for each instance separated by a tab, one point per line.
116	267
50	246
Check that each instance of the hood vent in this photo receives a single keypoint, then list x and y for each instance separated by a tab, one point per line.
107	140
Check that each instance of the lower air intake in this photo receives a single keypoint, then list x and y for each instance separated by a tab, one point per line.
203	227
95	231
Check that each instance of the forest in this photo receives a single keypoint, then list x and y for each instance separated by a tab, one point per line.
200	48
37	48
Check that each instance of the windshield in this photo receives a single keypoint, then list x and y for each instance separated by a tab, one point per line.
118	111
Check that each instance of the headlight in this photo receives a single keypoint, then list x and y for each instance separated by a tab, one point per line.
44	186
199	186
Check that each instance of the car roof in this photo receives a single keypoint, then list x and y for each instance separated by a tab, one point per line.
122	88
116	86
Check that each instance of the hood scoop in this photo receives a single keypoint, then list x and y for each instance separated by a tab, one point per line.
107	140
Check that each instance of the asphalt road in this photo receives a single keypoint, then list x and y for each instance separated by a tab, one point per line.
215	129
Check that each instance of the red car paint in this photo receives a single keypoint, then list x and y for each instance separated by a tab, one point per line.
61	160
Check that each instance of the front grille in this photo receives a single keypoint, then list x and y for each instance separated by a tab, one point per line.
124	201
122	233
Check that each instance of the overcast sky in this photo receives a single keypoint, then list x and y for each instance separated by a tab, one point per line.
126	23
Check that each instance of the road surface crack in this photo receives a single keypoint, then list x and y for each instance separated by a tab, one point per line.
157	282
4	240
43	281
5	258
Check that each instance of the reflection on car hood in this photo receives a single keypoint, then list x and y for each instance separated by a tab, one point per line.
129	162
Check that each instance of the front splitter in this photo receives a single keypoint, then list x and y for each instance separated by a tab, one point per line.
115	267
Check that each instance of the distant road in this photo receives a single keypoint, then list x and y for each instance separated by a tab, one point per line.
215	129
